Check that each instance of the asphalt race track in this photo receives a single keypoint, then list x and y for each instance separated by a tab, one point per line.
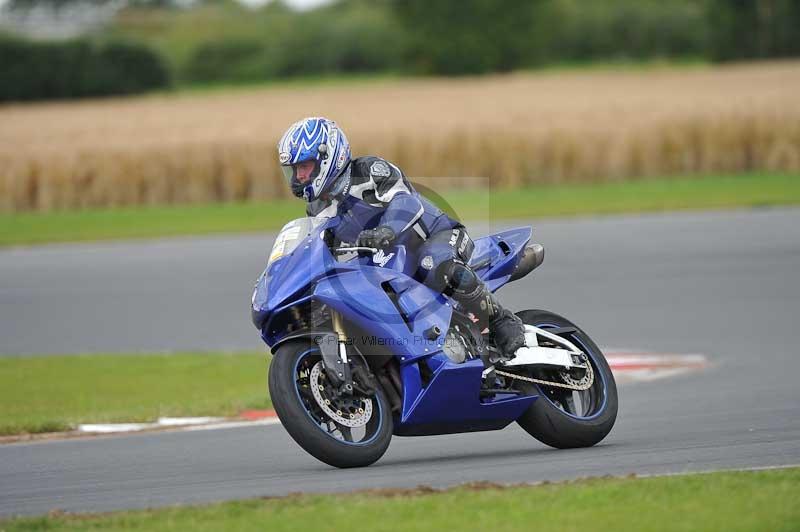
723	284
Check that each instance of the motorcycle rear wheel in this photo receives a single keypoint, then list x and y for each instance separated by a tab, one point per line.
562	418
306	421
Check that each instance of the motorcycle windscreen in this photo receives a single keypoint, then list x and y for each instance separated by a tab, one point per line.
290	277
291	235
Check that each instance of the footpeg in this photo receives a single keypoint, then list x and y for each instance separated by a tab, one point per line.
488	378
495	356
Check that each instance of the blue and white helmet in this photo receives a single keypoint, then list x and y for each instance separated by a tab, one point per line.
315	139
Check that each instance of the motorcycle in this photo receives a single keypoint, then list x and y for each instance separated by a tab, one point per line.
362	351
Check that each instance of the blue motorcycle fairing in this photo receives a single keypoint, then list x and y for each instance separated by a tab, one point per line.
402	315
359	297
405	336
289	275
358	291
450	402
396	258
293	273
503	252
499	253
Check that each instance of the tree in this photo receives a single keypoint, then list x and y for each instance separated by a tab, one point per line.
467	36
753	29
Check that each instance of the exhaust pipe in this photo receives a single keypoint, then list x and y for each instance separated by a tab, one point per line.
532	258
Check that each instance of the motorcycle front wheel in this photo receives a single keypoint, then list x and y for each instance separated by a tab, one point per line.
564	418
340	430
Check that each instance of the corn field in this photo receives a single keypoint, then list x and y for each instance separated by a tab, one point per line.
516	129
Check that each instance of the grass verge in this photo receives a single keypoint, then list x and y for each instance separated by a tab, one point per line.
730	501
708	192
53	393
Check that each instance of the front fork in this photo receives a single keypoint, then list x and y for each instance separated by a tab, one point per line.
334	355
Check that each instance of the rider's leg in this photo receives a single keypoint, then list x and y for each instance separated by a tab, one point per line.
475	297
443	267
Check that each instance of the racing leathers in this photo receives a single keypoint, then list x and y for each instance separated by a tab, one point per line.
379	207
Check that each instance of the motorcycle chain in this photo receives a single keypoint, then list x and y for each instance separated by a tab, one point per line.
579	387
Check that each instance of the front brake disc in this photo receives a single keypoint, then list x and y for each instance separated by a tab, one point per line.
356	414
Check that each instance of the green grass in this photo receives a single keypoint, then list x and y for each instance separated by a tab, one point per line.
707	192
650	195
730	502
52	393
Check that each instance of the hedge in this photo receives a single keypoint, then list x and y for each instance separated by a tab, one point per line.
73	69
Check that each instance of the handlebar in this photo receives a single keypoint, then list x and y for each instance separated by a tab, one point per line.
354	249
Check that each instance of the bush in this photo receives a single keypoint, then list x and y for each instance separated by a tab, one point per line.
75	69
344	38
475	36
125	68
575	30
466	37
226	60
347	37
754	29
222	41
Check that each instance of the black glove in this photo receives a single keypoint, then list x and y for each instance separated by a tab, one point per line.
380	237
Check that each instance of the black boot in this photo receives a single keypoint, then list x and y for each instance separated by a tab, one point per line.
509	332
506	328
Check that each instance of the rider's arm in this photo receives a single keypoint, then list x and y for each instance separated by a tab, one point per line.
392	188
403	212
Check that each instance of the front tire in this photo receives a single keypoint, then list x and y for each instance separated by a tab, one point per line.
306	421
558	418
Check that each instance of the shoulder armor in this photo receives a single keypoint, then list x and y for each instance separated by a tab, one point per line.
383	177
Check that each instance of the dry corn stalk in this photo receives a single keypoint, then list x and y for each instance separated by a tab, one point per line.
516	129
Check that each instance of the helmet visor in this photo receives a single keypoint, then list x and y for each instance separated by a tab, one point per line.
300	175
289	173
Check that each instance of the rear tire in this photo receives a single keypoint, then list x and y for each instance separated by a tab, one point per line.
302	426
549	423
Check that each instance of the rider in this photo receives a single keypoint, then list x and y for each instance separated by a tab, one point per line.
379	207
